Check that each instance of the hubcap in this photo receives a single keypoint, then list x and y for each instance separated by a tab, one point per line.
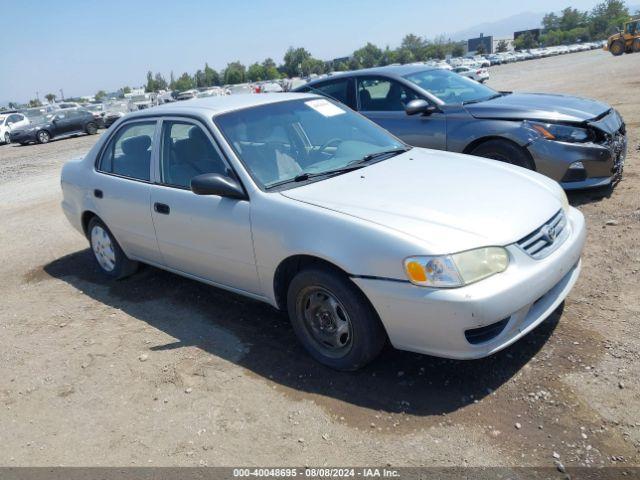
103	248
43	137
327	321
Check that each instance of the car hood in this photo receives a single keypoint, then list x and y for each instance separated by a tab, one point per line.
449	201
539	106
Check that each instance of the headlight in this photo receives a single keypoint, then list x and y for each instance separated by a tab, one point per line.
564	201
456	270
561	133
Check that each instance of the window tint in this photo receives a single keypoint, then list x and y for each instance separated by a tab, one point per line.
186	153
337	90
129	151
14	118
378	94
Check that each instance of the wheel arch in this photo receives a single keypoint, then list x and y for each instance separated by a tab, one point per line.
481	140
86	217
287	269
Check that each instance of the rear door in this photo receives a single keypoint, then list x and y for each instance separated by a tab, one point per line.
208	237
122	190
383	100
63	123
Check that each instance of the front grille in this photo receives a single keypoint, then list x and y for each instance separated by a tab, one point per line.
546	238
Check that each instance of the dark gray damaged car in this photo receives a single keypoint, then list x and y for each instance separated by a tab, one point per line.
581	143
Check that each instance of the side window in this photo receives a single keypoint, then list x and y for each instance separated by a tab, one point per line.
377	94
338	90
186	153
128	153
13	118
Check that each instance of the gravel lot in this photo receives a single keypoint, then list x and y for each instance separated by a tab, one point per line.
160	370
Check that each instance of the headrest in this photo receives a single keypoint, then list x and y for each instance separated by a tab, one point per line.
136	145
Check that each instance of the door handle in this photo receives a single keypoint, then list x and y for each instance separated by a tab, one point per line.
97	193
161	208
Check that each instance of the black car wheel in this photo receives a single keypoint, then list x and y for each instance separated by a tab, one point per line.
504	151
43	136
91	128
333	319
107	252
636	45
7	138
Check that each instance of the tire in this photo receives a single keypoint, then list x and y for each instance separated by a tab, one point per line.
43	136
616	48
7	138
342	330
107	252
636	45
91	128
504	151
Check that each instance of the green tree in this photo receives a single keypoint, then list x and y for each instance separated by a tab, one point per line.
502	46
50	97
160	82
150	85
551	21
270	69
572	18
100	95
388	56
525	41
184	82
457	50
211	77
368	56
415	45
606	17
12	105
200	79
256	72
172	81
235	73
293	60
34	103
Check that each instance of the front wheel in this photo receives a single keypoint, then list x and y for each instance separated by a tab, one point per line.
616	48
7	138
333	319
110	257
636	45
91	128
43	136
504	151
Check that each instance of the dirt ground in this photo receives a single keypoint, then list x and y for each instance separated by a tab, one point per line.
160	370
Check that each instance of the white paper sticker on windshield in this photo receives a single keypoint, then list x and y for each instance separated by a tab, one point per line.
325	108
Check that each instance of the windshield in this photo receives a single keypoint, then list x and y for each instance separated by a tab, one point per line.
283	142
451	87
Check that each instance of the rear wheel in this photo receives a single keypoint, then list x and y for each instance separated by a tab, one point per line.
43	136
636	45
333	319
7	138
110	257
504	151
91	128
616	48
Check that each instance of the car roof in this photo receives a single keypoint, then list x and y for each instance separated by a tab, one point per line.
390	70
220	105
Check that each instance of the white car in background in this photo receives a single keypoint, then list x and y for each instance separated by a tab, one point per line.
10	121
478	74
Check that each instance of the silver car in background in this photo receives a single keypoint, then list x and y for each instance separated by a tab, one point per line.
297	201
578	142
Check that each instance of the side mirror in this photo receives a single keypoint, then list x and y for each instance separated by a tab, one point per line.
419	105
216	184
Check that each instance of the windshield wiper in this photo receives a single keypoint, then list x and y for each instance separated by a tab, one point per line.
353	165
478	100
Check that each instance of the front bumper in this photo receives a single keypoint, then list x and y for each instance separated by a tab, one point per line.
602	164
23	136
434	321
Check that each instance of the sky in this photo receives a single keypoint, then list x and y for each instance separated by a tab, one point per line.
82	46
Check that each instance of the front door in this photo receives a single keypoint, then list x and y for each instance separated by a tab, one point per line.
205	236
383	100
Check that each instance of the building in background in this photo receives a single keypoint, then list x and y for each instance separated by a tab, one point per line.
480	45
534	32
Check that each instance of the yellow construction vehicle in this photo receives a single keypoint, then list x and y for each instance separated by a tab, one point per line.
626	40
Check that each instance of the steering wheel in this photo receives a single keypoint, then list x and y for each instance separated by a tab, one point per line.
329	143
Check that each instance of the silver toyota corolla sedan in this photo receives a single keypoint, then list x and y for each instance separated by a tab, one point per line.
299	202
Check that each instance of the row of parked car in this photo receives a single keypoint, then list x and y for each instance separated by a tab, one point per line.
347	223
533	53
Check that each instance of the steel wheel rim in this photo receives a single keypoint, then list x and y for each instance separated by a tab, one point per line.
326	321
103	248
